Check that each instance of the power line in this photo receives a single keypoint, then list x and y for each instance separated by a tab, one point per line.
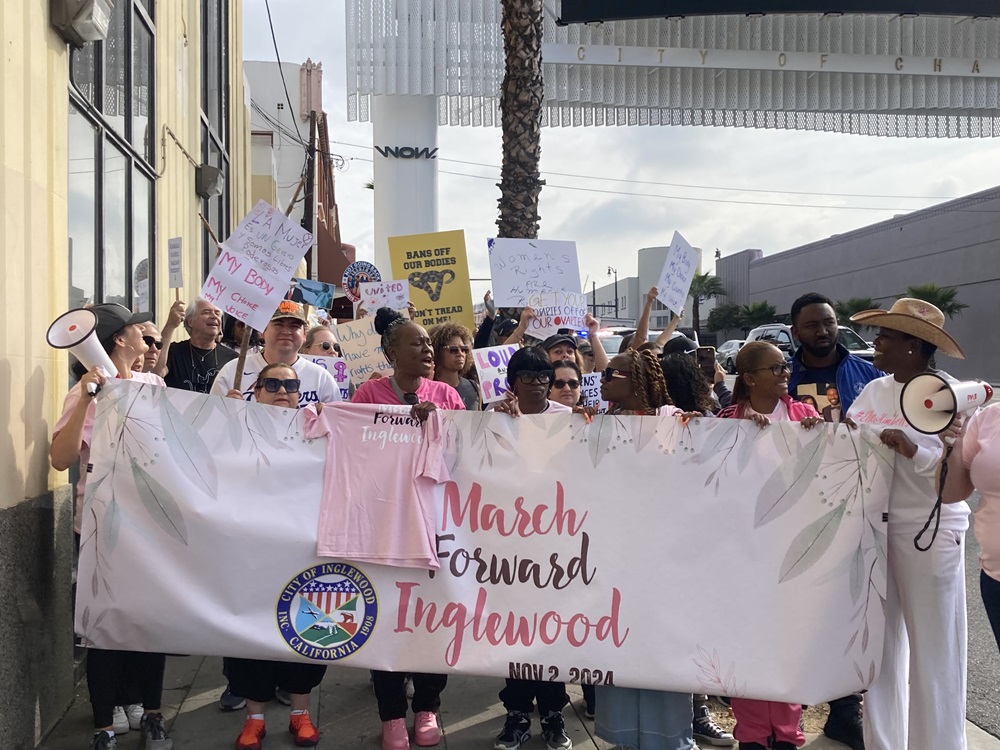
291	109
685	186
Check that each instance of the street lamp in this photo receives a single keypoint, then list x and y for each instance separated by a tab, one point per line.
615	272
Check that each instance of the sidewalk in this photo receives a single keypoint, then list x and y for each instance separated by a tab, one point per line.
344	711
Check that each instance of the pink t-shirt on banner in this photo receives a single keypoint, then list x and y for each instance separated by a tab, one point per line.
981	455
378	497
380	391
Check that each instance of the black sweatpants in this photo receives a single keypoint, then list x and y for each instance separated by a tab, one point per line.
109	671
521	695
390	690
256	679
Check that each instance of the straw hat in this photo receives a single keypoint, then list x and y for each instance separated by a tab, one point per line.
916	318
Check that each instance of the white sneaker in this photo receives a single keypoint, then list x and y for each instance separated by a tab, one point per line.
134	713
119	720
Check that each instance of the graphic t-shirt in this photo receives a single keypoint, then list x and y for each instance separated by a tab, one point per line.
73	397
194	369
378	485
981	455
819	383
317	385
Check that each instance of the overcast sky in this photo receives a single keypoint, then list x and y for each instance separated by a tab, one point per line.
609	227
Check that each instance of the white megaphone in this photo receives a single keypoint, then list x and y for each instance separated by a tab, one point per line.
76	331
930	403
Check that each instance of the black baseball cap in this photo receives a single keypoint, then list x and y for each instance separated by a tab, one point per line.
559	338
111	318
680	345
506	327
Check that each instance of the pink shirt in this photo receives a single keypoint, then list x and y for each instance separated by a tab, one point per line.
981	456
380	391
69	406
378	496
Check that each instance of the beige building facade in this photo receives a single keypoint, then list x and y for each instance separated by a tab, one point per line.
98	155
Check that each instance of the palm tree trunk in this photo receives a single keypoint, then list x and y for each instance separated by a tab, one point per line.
696	316
521	119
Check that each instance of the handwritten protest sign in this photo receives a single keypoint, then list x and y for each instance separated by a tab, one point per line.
591	391
678	271
175	263
362	348
256	265
556	310
545	564
336	366
437	269
376	294
491	364
521	268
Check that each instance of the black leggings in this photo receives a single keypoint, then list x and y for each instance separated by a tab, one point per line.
390	691
256	679
108	671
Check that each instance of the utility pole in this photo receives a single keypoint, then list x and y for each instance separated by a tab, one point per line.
615	272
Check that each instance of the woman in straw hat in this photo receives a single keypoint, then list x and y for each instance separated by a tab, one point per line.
918	700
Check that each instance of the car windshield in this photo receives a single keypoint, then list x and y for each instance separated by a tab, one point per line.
852	341
612	344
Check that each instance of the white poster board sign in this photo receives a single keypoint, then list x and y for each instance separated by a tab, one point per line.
256	265
491	364
590	386
556	310
585	577
678	270
336	366
174	263
521	268
375	294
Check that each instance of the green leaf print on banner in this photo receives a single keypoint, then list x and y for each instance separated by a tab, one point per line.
193	457
809	544
112	522
162	507
789	482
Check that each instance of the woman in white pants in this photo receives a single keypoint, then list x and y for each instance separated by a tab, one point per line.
918	700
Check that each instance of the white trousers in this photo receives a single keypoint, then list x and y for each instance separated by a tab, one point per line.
918	700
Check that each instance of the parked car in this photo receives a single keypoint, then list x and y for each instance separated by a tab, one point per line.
725	355
780	334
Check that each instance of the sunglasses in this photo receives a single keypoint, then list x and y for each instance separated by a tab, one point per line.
273	385
611	372
559	384
327	346
529	376
457	349
776	370
151	342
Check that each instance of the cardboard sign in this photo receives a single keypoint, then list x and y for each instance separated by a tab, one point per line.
376	294
362	348
316	293
555	310
336	366
174	263
437	269
256	265
491	364
590	387
678	270
521	268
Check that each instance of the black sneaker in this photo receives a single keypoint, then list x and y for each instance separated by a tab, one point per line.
782	745
229	701
707	731
516	731
103	741
752	746
554	732
845	725
153	733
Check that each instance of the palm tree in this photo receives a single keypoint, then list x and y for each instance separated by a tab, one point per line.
703	286
521	118
757	314
848	307
944	298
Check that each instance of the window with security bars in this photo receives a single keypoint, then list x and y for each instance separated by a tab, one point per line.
112	137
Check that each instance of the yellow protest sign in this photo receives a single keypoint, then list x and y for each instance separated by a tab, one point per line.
437	269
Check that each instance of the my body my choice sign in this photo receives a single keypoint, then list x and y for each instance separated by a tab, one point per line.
256	265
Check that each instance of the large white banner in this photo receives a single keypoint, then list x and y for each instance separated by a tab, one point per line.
709	557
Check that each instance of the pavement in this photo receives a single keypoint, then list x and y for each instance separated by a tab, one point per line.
344	710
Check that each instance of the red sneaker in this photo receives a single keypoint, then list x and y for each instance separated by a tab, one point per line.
304	731
252	736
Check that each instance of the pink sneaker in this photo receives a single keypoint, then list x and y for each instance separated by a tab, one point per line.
426	732
394	735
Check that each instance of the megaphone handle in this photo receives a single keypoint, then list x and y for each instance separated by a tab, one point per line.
93	389
935	515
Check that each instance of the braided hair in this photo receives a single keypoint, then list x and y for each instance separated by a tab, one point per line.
688	385
388	324
648	384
